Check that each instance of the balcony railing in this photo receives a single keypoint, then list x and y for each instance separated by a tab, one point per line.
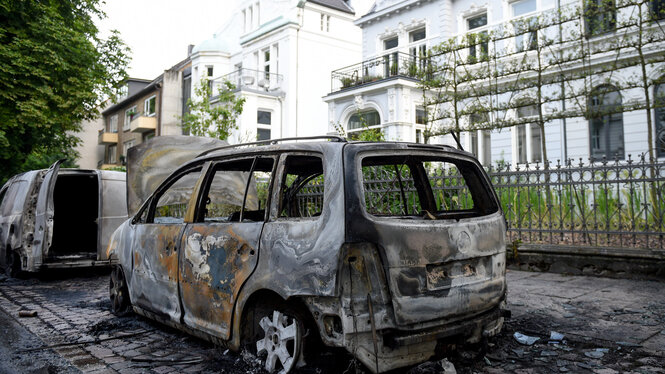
391	65
143	124
105	137
249	79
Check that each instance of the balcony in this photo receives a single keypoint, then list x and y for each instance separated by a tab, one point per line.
377	69
244	79
106	137
143	124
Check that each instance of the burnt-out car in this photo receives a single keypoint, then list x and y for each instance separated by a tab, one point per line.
389	250
59	218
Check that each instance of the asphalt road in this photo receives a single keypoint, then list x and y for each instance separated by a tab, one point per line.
608	326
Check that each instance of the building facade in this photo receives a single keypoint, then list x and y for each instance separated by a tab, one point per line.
383	90
277	54
144	109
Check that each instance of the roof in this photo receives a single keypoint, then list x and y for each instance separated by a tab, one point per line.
151	87
217	43
267	27
340	5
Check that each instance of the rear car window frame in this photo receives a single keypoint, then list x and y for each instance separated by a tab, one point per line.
486	202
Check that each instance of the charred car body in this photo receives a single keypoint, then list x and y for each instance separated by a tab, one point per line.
55	218
384	249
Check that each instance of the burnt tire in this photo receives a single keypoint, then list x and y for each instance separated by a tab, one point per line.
279	341
119	293
13	264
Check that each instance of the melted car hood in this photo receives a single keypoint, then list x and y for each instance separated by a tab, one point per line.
150	162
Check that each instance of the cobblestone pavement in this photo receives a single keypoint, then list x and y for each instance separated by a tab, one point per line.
609	326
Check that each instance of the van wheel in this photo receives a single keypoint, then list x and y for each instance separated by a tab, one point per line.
118	292
12	264
281	342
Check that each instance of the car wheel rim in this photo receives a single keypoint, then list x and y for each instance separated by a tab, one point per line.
281	342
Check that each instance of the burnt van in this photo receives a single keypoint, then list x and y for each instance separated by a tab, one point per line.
59	218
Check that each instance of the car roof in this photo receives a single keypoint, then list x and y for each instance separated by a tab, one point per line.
275	146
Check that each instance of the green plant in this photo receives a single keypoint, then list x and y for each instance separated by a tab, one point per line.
213	119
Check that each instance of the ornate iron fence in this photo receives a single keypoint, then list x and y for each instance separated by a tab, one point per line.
601	204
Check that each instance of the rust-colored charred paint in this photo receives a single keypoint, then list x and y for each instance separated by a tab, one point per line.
218	258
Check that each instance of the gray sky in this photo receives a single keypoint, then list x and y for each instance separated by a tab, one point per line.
158	31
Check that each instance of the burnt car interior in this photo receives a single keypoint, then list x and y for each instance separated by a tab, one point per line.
302	187
237	191
75	214
424	187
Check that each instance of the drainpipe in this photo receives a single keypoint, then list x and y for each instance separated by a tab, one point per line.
564	136
158	130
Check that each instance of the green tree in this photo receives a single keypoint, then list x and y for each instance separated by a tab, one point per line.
55	70
213	116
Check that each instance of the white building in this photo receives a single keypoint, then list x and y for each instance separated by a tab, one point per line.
279	54
383	89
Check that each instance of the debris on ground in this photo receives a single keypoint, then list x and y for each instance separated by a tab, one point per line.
27	313
556	337
525	339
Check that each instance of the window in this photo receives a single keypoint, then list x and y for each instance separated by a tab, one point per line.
657	9
478	43
660	119
126	146
421	116
264	120
238	191
364	119
171	205
325	23
149	106
599	16
262	134
302	187
266	63
606	123
526	34
113	123
418	48
419	136
263	117
455	188
111	157
485	145
123	92
529	145
275	57
417	35
210	70
130	114
390	43
14	199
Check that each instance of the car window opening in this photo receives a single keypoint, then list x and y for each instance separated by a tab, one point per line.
171	206
302	186
238	191
424	187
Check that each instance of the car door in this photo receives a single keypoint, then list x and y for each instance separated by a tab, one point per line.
221	246
4	220
157	241
44	211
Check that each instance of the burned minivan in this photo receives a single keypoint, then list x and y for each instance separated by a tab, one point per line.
388	250
59	218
